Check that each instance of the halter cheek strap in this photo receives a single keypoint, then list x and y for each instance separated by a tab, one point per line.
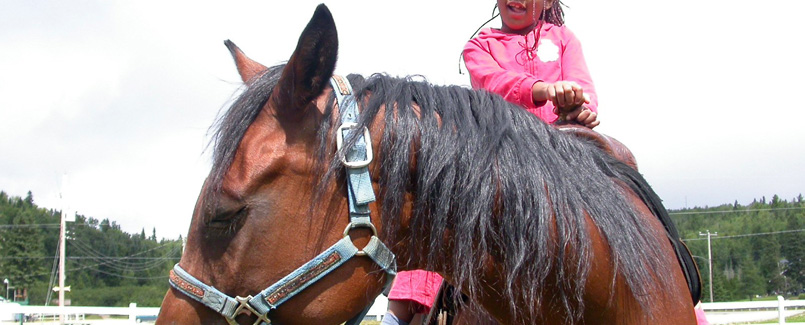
360	193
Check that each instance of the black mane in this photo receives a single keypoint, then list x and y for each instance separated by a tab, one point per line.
492	175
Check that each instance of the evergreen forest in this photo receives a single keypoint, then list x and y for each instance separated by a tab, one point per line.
758	250
105	265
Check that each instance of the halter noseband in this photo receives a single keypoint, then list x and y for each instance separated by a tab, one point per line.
360	194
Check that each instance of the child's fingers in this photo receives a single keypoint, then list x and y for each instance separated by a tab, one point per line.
559	97
578	97
570	94
578	94
567	95
581	116
574	93
588	118
573	115
551	91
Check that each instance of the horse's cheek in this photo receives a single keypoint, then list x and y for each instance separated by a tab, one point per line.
178	309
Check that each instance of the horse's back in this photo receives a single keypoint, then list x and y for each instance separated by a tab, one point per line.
608	144
670	294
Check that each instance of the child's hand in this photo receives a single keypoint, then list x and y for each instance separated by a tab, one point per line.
583	116
566	95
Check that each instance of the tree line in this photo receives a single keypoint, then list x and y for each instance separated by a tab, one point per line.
759	251
105	266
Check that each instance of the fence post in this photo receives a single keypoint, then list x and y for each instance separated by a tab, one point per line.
781	309
133	312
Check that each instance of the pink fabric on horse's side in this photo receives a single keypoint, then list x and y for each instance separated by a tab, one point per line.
700	318
417	285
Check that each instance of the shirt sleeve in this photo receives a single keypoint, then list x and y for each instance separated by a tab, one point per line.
574	68
486	73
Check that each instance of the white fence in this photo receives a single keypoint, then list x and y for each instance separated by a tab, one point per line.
747	311
10	311
753	305
717	312
378	308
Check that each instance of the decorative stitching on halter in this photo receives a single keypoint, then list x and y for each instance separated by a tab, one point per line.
186	286
303	278
343	88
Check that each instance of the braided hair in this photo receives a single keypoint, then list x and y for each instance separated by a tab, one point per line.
555	15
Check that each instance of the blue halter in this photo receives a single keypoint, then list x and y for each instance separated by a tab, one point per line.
356	159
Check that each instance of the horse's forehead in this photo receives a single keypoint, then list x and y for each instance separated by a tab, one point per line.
258	149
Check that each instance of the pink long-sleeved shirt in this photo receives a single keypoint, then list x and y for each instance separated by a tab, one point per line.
499	62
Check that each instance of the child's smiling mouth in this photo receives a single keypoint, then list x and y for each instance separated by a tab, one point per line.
516	6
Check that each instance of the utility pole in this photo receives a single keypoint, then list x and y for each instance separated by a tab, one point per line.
62	243
62	248
710	259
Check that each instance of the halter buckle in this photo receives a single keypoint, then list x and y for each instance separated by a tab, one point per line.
340	141
353	225
243	307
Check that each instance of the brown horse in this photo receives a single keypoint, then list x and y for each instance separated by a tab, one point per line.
534	225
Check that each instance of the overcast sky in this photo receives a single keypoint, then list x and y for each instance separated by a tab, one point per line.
119	95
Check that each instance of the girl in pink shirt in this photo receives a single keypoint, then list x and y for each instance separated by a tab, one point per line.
546	80
535	63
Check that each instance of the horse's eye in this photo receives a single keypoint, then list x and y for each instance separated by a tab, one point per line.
224	220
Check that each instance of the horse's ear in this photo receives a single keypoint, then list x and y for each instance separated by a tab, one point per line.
312	64
247	68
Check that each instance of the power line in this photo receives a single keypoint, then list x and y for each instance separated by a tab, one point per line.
104	263
33	225
122	264
53	275
750	235
128	276
733	211
87	257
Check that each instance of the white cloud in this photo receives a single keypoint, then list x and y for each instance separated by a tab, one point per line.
39	85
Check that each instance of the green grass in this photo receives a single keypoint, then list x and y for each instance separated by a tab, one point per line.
793	319
99	317
770	298
796	319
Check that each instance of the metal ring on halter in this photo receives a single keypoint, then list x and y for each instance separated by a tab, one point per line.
244	307
353	225
340	141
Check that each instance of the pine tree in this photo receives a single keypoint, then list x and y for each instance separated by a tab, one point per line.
794	251
29	199
22	246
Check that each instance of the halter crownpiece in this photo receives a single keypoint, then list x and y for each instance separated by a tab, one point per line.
356	159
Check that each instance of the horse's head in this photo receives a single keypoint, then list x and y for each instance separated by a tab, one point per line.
255	222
